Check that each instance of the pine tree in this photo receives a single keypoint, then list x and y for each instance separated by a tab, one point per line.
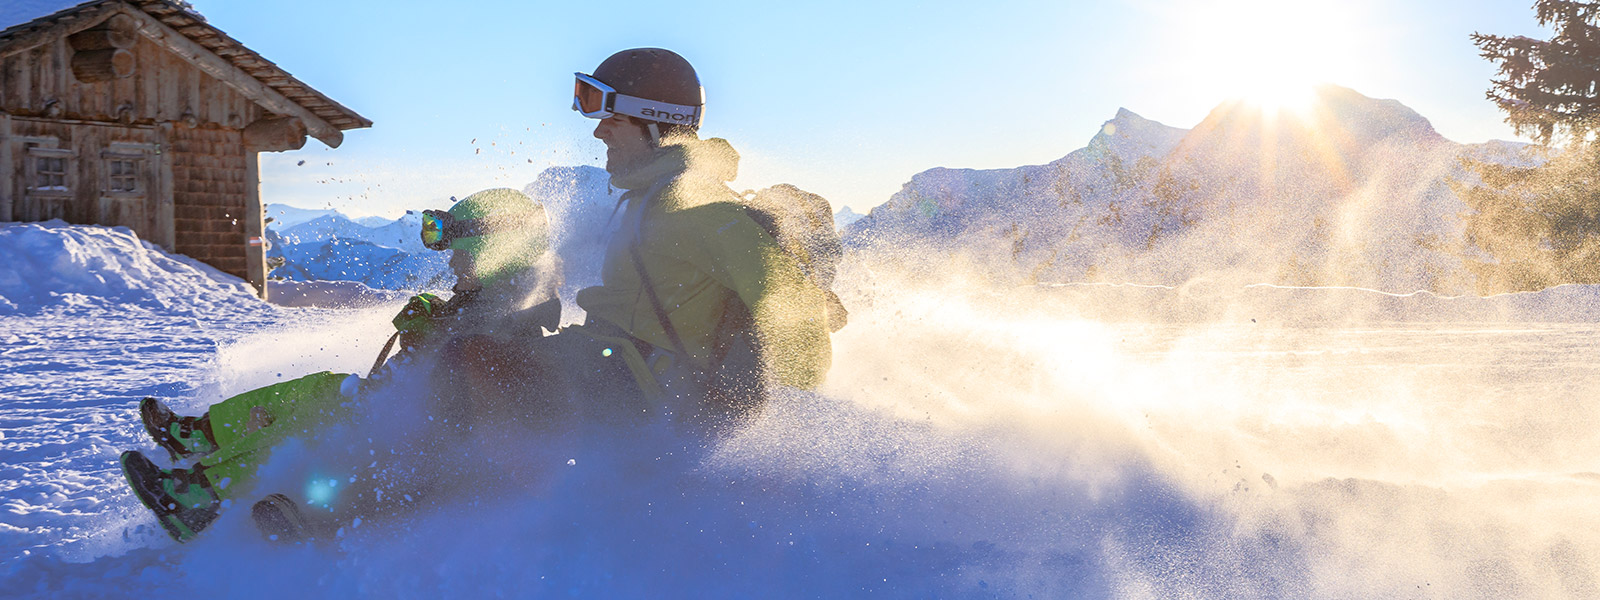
1533	227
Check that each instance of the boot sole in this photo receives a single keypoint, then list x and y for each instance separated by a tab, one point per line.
280	520
143	477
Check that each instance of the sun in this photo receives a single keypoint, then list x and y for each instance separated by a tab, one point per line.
1280	96
1273	53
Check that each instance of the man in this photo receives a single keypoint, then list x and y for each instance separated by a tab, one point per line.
699	306
505	285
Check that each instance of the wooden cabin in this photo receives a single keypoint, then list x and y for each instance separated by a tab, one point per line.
139	113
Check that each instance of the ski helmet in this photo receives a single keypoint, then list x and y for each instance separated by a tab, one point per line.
651	84
512	234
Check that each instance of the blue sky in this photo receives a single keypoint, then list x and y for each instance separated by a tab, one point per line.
847	99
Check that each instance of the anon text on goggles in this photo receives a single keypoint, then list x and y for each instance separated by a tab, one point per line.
440	228
597	100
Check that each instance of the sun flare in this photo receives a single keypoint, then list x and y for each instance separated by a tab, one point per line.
1280	96
1266	52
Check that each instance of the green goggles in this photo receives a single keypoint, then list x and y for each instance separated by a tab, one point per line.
440	228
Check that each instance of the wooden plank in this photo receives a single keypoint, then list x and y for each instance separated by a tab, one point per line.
81	100
86	144
171	102
182	102
8	169
217	103
61	68
192	96
224	71
147	103
23	78
165	224
254	224
40	88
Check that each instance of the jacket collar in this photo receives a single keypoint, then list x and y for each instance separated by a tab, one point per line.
714	158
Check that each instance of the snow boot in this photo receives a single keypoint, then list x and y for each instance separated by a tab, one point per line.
182	499
280	520
182	437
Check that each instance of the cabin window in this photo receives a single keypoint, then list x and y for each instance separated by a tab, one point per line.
50	173
123	174
48	170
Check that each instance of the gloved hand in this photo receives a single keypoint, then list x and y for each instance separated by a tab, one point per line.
416	321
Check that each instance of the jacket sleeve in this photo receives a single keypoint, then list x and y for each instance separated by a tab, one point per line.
790	318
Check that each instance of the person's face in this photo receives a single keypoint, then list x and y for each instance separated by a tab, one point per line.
465	270
628	146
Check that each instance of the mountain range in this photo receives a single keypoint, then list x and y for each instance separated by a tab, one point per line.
1350	191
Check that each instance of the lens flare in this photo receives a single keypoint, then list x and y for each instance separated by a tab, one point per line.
322	491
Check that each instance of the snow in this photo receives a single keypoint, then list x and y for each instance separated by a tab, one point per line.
580	202
53	265
969	443
328	294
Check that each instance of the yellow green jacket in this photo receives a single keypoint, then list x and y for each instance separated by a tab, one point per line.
700	247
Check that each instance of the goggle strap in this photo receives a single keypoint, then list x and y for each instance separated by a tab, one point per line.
651	110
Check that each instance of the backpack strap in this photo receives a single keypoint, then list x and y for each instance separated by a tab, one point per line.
383	354
655	305
649	287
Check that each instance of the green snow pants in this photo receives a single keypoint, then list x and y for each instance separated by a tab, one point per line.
303	406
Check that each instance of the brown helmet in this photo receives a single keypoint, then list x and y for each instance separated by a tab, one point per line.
651	84
653	74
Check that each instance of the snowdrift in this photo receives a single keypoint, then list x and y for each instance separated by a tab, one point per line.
54	265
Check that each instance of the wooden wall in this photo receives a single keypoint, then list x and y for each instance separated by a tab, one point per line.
163	88
88	197
210	199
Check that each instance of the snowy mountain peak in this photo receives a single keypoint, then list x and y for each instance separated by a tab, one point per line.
845	217
1129	136
283	216
1373	117
1334	113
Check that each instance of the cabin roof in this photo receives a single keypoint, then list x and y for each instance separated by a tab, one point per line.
22	12
18	18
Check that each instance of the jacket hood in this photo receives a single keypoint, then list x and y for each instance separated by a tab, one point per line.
714	158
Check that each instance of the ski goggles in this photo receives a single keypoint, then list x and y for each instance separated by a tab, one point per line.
597	100
440	228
